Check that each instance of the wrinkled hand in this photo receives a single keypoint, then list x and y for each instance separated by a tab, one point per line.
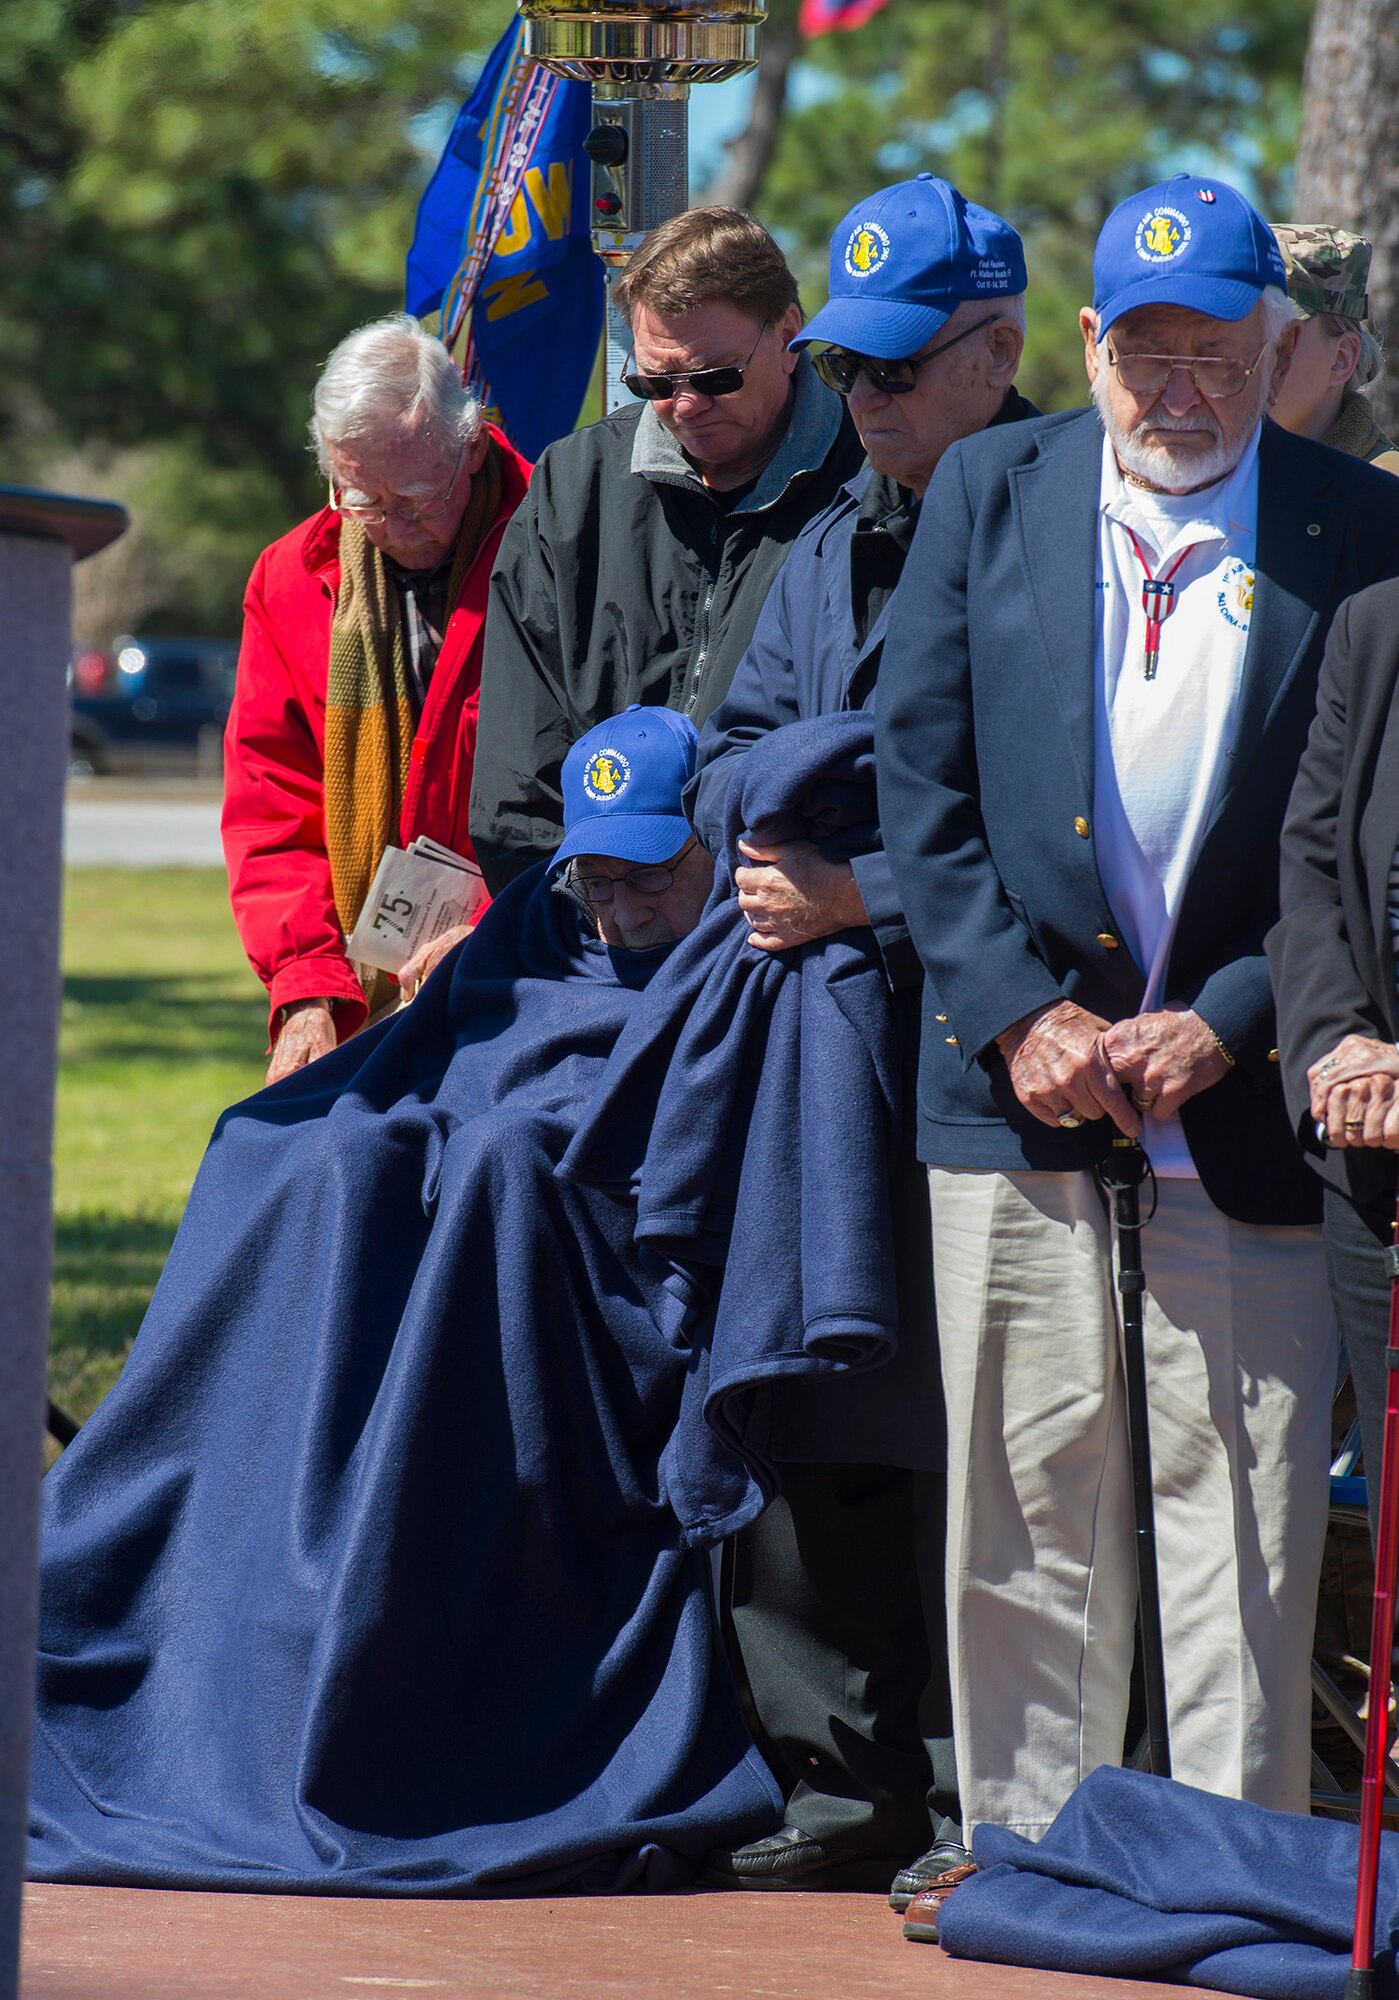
793	894
431	955
1165	1058
307	1032
1359	1080
1058	1065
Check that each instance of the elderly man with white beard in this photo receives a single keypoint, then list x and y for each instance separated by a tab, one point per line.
1097	683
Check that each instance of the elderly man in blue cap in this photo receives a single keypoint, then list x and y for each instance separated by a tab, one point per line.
1098	680
922	336
628	855
837	1590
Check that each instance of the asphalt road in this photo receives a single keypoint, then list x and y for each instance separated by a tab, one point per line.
110	823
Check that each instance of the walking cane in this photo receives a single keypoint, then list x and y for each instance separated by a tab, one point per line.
1121	1172
1360	1978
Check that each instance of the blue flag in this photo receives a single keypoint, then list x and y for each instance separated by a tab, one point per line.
502	238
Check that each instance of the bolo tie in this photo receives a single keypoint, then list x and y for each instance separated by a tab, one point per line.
1158	601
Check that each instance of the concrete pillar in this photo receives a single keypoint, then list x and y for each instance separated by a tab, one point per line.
41	535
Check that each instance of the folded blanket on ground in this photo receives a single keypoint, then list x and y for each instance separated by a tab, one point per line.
751	1109
1140	1877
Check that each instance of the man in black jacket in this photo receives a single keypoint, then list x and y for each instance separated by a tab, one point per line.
643	552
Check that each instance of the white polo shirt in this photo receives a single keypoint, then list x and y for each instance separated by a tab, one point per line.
1160	744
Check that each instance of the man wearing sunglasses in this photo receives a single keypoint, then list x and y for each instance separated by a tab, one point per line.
837	1601
1097	683
354	720
640	561
922	336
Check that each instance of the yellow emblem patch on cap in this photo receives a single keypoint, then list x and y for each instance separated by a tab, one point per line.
1161	235
867	248
606	775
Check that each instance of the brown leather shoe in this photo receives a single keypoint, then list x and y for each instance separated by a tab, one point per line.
921	1916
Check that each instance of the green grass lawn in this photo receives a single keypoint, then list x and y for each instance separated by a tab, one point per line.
163	1025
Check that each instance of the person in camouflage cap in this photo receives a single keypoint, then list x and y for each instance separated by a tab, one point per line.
1339	349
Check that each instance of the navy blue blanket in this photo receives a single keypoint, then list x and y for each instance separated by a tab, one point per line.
1143	1878
361	1580
751	1109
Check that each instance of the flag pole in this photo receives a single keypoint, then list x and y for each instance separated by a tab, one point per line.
640	56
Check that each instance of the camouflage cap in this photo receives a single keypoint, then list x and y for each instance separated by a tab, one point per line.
1327	269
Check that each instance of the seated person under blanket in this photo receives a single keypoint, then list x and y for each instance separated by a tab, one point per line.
381	1570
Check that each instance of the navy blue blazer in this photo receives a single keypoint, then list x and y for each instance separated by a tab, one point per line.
986	757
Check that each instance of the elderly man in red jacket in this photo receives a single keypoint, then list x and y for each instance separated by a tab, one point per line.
354	723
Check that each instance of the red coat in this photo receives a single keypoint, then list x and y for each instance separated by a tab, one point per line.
274	754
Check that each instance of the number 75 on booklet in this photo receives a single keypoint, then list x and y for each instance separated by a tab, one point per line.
414	897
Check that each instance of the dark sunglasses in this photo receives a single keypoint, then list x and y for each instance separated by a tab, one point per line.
838	366
704	381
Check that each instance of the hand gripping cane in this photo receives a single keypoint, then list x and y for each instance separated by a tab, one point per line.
1121	1172
1360	1978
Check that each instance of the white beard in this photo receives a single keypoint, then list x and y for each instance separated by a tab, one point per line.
1173	471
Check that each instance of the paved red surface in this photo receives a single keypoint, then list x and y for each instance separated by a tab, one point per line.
167	1944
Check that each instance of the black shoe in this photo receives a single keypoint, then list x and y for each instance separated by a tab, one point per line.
920	1874
790	1859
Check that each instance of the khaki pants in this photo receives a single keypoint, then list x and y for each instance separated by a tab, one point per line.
1041	1576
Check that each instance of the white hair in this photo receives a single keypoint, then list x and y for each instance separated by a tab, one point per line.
1152	461
1013	309
385	377
1278	314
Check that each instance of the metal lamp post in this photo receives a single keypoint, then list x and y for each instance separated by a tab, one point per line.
640	60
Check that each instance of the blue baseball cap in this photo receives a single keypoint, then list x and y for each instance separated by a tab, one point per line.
1189	241
903	261
622	784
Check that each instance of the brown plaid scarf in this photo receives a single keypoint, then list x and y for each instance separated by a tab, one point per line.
371	713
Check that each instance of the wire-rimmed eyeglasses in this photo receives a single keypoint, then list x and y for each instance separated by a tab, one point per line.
373	513
1215	376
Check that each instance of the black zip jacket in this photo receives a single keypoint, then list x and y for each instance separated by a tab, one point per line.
623	579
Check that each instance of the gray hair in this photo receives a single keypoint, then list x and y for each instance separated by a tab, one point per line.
385	376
